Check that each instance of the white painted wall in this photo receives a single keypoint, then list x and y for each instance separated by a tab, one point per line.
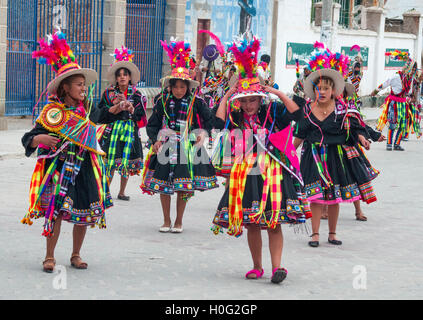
294	26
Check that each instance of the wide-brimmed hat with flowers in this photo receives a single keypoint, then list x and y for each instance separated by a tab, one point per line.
57	53
123	59
180	62
245	55
325	63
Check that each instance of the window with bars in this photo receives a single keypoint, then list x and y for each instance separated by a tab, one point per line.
346	15
144	30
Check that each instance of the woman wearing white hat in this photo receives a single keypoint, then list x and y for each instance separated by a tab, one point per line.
120	139
177	161
332	168
69	181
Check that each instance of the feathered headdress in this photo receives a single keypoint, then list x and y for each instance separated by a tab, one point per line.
180	61
246	54
355	48
325	59
220	47
245	59
124	54
123	59
399	55
178	53
323	62
55	51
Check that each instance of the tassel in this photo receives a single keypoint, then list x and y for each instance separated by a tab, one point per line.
216	229
144	172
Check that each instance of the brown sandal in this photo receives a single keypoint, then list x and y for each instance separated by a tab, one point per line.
80	265
49	264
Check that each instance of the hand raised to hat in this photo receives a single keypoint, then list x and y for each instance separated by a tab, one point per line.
290	105
270	89
233	89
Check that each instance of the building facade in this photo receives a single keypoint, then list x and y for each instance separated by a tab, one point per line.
287	29
299	26
93	28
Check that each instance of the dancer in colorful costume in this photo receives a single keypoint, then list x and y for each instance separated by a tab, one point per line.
212	60
264	183
397	110
216	84
351	97
263	70
415	102
355	73
353	101
177	161
299	84
69	180
331	166
120	139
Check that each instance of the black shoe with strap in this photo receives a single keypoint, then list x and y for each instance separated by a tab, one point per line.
122	197
397	147
335	242
313	244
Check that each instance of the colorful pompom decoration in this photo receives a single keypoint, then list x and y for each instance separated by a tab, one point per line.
179	54
55	51
124	54
325	59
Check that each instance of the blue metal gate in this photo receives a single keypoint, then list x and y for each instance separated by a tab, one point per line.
20	67
144	30
30	20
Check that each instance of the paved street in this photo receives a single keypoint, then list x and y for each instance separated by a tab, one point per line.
132	260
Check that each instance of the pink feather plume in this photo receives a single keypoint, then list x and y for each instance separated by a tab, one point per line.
319	45
217	41
355	48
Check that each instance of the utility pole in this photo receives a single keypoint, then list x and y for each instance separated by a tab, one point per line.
326	31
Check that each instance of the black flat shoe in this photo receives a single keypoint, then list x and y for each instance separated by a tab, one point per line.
126	198
279	275
313	244
398	148
334	242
